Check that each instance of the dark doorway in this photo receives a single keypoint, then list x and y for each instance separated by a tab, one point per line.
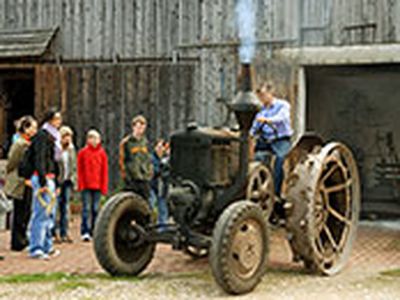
359	105
17	93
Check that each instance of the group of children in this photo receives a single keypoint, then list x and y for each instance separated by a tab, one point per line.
44	169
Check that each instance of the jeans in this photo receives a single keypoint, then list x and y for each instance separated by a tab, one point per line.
280	148
90	209
159	203
20	220
63	208
42	221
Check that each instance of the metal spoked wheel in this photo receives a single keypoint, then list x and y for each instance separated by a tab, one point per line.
260	187
324	191
239	250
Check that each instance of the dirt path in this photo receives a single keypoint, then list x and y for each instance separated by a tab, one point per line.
173	275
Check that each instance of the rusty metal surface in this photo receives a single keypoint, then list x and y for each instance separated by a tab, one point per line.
302	147
219	132
260	187
246	248
324	193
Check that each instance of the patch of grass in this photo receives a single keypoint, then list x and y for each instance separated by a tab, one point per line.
65	277
391	273
33	278
73	285
113	278
386	279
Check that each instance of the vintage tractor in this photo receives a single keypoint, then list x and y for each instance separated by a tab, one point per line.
221	203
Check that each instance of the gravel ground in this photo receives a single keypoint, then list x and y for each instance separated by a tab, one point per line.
275	285
173	275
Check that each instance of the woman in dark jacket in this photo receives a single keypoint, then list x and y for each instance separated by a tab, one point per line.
16	187
45	154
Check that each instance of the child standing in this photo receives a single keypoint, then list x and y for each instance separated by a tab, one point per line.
159	182
92	181
67	183
135	159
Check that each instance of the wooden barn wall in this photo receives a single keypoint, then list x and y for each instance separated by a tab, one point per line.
111	29
341	22
107	29
118	30
106	97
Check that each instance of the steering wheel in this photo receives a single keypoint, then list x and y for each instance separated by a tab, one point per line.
259	135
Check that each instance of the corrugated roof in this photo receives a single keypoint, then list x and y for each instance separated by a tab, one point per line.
25	43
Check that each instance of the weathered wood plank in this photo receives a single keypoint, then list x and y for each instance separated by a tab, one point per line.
20	14
75	104
107	29
38	90
77	32
119	28
130	83
129	29
3	11
139	49
11	15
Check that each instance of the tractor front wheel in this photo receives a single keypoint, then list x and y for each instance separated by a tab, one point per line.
119	237
239	250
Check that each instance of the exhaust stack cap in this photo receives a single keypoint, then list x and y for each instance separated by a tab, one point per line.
246	104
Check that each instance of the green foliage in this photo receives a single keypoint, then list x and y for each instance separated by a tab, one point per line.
56	277
391	273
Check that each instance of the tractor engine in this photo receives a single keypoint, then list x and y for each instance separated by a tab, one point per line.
204	161
208	157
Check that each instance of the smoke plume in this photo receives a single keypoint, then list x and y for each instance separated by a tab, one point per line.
246	25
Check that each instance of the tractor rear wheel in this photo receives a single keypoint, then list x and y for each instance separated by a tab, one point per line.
323	193
239	250
119	242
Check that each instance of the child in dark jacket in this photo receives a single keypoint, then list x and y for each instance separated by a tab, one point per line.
159	182
92	181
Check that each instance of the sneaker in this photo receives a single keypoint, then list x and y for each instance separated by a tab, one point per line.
40	256
54	253
86	237
57	239
67	239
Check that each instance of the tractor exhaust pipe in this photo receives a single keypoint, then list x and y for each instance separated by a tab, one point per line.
245	106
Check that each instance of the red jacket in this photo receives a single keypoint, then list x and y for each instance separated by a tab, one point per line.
93	169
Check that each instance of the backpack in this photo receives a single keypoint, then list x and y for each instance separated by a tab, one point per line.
26	167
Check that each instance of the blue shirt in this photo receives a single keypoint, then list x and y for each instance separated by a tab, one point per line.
279	114
15	137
